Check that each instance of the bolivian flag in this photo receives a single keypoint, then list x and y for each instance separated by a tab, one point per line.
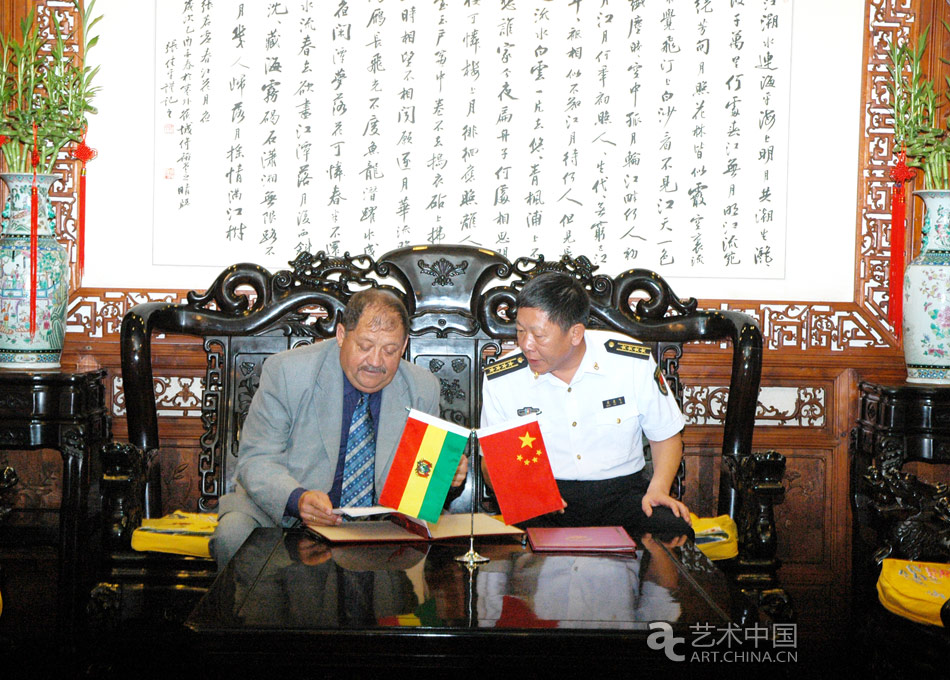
424	466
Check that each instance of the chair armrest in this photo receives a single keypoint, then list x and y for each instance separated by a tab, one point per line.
760	488
123	493
754	481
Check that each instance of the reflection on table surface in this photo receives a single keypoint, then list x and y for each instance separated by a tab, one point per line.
291	581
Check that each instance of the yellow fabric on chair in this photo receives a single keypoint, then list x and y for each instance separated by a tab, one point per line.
914	590
180	533
717	537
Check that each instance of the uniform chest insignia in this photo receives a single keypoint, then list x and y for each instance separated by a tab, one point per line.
505	366
528	410
660	381
616	401
628	349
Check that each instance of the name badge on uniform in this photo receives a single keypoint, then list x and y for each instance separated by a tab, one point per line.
616	401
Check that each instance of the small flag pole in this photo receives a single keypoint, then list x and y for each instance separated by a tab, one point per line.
472	559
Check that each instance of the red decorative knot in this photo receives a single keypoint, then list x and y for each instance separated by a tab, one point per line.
35	157
4	139
900	173
83	152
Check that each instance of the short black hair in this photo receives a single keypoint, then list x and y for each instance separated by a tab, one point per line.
387	304
560	296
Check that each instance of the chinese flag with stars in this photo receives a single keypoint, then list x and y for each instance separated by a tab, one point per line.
519	469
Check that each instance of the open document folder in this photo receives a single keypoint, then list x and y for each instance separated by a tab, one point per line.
404	528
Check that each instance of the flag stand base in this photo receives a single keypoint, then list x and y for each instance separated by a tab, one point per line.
472	558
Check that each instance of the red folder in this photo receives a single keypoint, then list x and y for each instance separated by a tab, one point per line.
580	539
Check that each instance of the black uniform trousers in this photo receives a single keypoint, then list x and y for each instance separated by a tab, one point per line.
612	502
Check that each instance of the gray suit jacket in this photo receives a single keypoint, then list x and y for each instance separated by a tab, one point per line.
291	437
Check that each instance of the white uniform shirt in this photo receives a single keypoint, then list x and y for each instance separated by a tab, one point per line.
570	590
592	427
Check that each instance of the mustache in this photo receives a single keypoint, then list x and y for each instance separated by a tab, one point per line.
373	369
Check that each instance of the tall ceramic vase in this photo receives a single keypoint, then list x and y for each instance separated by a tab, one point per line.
18	348
927	296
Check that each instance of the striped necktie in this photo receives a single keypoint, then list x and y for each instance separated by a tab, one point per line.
358	467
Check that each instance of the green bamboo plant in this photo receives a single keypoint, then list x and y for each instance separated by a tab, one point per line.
44	84
916	108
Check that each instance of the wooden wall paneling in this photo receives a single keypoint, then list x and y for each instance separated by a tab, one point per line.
814	519
179	462
810	519
805	539
11	13
702	478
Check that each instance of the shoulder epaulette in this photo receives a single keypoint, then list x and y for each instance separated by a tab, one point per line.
627	348
505	366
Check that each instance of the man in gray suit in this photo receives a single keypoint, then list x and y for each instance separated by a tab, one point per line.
294	443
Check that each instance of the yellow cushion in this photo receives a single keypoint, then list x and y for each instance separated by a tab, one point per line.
716	536
180	533
914	590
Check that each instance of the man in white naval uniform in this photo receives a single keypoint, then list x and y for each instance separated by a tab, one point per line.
595	394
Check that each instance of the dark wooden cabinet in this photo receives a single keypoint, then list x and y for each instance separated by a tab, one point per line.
66	411
902	423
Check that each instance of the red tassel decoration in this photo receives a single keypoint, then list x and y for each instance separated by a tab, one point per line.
900	173
34	221
83	154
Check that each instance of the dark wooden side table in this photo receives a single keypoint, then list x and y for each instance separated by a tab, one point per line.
902	423
63	410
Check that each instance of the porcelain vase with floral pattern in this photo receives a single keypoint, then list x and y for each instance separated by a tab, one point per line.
927	296
18	348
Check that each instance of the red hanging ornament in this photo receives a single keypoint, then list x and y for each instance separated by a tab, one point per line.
900	173
83	154
4	139
34	221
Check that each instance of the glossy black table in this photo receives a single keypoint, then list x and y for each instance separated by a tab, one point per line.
288	600
63	410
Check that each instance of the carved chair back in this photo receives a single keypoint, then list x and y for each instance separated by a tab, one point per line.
459	300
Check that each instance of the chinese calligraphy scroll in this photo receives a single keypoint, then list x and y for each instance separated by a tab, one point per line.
644	133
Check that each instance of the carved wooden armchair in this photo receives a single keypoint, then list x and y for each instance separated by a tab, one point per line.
901	516
457	298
